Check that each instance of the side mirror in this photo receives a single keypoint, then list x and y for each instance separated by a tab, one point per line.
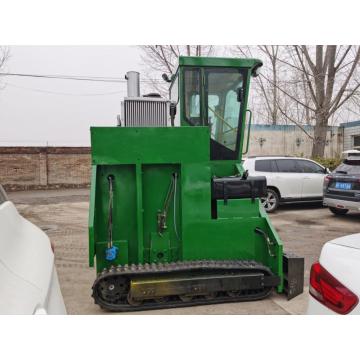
166	78
256	70
327	171
240	94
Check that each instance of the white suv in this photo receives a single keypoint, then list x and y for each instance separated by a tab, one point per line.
289	179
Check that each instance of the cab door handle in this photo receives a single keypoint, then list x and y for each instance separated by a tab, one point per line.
248	134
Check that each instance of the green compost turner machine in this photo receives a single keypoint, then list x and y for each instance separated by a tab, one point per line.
174	218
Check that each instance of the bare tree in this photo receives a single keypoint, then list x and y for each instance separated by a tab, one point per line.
164	57
328	77
160	59
267	91
328	66
271	52
292	81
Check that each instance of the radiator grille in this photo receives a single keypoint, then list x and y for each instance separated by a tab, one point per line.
145	113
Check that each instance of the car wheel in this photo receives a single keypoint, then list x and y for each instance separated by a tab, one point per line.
271	201
337	211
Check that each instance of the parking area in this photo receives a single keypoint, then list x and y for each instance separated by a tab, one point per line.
62	214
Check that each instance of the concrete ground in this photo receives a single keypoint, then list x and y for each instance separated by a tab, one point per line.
62	214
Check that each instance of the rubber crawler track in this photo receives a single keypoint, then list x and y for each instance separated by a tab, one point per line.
127	272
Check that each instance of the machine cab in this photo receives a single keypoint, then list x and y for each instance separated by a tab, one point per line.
213	92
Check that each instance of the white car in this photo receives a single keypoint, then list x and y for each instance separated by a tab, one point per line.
289	179
28	278
335	279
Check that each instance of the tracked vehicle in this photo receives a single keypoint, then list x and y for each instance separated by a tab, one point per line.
174	218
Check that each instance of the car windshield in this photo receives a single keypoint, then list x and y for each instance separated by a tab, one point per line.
350	167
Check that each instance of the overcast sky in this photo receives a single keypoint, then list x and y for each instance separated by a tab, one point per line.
30	116
39	112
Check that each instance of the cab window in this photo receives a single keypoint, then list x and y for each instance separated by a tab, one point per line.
222	105
192	96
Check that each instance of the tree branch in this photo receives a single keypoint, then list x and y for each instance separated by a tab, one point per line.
334	104
342	58
312	92
352	92
287	94
294	122
308	59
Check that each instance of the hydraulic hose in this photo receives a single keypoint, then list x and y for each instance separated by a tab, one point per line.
175	191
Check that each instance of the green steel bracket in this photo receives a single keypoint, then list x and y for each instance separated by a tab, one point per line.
139	213
270	244
248	134
278	249
92	216
239	169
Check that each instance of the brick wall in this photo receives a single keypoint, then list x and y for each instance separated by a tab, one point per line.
44	167
56	167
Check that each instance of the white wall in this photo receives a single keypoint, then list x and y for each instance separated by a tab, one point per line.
291	140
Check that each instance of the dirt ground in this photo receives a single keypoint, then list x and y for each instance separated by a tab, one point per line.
62	214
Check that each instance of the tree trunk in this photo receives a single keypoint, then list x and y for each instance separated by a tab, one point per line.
320	132
274	112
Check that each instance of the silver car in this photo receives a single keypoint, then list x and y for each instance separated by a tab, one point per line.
342	187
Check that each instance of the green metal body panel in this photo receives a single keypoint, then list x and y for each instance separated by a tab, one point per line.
147	145
217	61
142	161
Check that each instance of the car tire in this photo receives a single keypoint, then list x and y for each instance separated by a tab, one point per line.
337	211
271	201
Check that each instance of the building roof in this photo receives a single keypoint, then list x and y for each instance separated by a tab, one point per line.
350	124
285	127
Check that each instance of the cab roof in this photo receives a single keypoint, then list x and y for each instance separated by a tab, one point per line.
218	61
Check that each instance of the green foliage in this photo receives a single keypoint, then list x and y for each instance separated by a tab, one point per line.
330	163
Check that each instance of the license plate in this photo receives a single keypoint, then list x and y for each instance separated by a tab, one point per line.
343	186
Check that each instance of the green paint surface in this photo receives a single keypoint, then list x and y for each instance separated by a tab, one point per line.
142	162
217	62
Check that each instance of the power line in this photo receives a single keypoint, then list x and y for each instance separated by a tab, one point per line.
65	77
79	78
63	93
